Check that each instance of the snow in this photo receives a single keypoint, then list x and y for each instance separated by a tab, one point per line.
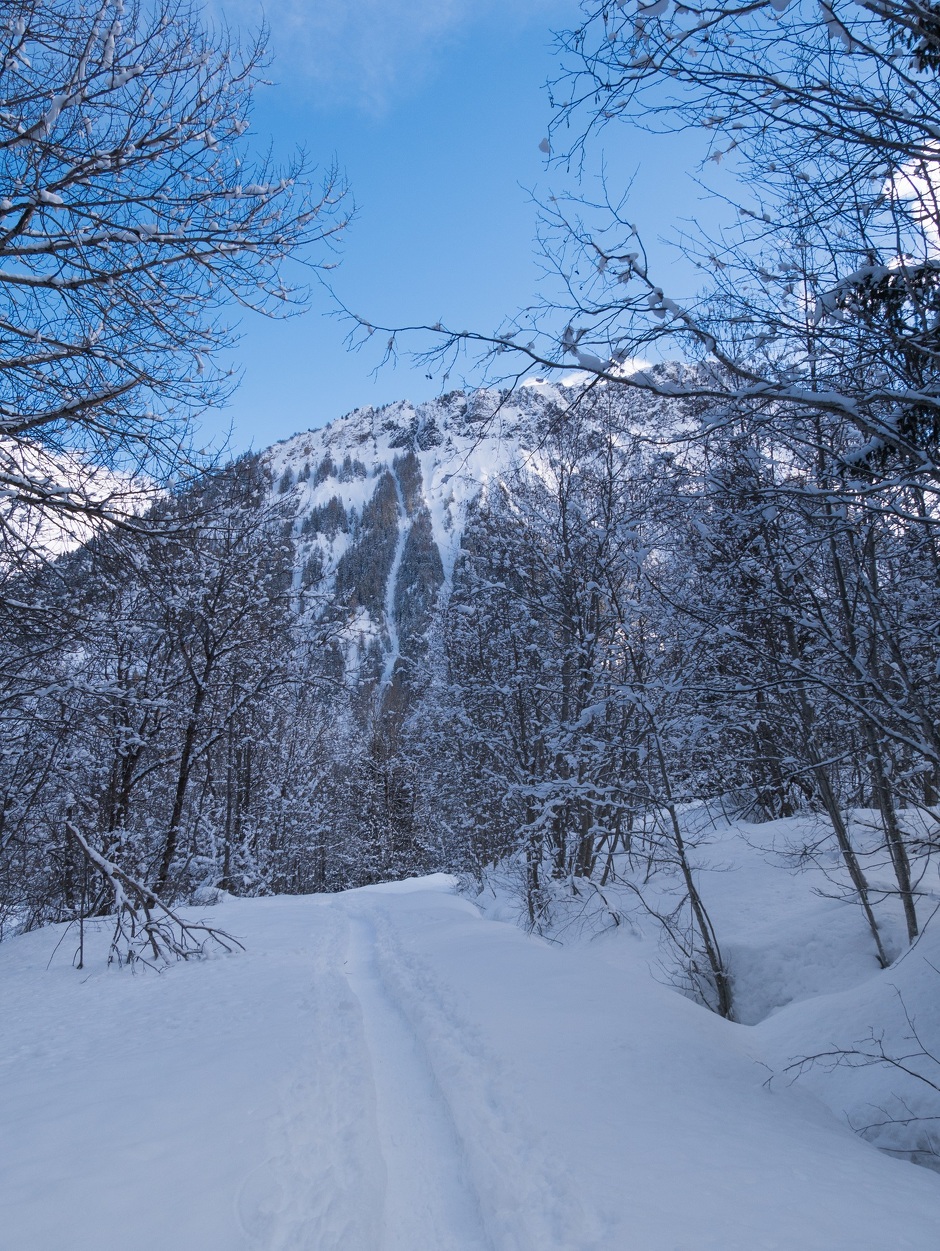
781	930
469	454
393	654
67	479
393	1069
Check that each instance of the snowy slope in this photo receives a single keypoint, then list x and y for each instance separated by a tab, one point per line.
380	500
804	973
389	1070
461	441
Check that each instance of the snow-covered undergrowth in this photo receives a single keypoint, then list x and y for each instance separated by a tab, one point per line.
401	1069
828	1020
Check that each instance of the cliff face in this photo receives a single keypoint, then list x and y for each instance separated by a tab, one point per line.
380	499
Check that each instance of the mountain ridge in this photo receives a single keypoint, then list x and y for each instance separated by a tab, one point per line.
379	500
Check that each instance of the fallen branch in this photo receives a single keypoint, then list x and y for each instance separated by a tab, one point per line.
145	928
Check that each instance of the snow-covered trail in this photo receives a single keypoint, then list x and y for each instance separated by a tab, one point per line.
428	1199
387	1070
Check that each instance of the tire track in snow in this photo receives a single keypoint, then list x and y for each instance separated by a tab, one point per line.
429	1202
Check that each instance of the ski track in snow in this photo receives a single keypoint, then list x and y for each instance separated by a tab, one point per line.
429	1201
386	1070
431	1151
528	1201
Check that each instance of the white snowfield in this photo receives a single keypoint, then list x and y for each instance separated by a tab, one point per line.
388	1070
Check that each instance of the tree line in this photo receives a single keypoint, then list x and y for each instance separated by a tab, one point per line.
643	618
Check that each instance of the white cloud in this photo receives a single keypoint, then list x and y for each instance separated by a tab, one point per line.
918	183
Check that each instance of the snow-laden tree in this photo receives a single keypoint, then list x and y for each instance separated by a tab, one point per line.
822	602
157	745
570	709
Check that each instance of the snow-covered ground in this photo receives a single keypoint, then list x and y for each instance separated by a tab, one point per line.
391	1069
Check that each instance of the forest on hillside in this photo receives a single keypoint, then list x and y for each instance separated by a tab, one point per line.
705	575
628	630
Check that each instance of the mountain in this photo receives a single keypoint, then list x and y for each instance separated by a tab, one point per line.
380	501
609	684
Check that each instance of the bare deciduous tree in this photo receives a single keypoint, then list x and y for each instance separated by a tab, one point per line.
132	215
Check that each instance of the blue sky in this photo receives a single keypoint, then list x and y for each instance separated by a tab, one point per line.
435	111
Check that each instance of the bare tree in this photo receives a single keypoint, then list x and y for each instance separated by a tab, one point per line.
819	305
132	215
